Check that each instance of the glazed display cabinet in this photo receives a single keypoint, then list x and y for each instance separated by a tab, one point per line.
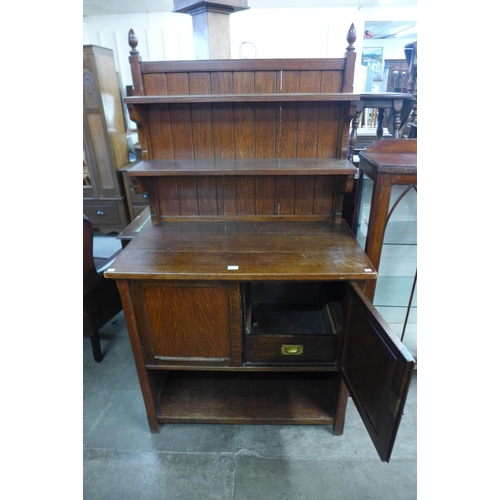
387	230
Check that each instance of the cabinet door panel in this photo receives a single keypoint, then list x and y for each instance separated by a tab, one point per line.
182	322
377	369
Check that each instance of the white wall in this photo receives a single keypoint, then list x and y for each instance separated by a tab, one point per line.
161	36
288	33
280	33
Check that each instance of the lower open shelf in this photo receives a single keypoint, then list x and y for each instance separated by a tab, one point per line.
247	398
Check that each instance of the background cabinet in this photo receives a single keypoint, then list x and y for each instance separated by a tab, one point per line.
387	229
136	202
396	75
104	142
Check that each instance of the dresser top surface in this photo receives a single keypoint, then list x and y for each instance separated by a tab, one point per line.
243	251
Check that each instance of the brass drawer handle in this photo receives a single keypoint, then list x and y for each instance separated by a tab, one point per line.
292	350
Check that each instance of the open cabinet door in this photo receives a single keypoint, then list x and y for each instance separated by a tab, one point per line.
377	369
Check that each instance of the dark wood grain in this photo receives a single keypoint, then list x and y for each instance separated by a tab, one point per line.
245	188
248	194
387	163
323	195
242	98
155	84
223	116
304	195
229	65
265	195
167	193
170	334
377	369
148	380
207	195
199	83
207	397
307	116
177	83
261	250
160	132
244	133
262	166
182	131
188	195
202	129
392	157
267	349
245	180
266	116
285	187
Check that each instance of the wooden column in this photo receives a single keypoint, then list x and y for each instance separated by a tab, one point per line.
388	163
211	25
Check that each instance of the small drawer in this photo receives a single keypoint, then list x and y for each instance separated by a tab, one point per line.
102	214
138	209
289	323
291	349
136	198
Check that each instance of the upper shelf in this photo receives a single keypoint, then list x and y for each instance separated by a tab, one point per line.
261	166
271	97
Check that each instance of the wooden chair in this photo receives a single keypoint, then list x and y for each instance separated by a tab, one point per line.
101	300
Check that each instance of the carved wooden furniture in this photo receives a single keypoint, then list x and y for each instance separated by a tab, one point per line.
136	202
398	104
104	142
101	300
388	163
396	75
400	100
242	292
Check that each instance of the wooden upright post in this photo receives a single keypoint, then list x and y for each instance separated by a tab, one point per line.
211	25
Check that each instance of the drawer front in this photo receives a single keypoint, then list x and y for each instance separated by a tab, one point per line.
138	209
102	214
137	199
289	349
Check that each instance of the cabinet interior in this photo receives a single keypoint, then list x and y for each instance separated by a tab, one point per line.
247	398
269	387
290	323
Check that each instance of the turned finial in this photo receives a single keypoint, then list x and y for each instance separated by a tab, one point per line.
132	41
351	38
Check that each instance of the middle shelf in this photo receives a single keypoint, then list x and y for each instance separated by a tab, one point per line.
242	166
256	97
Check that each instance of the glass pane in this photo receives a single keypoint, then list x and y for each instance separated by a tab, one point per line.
86	175
398	263
364	209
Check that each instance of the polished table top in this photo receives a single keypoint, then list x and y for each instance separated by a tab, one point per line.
243	251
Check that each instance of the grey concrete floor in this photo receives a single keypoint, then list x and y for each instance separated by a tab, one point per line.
123	460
